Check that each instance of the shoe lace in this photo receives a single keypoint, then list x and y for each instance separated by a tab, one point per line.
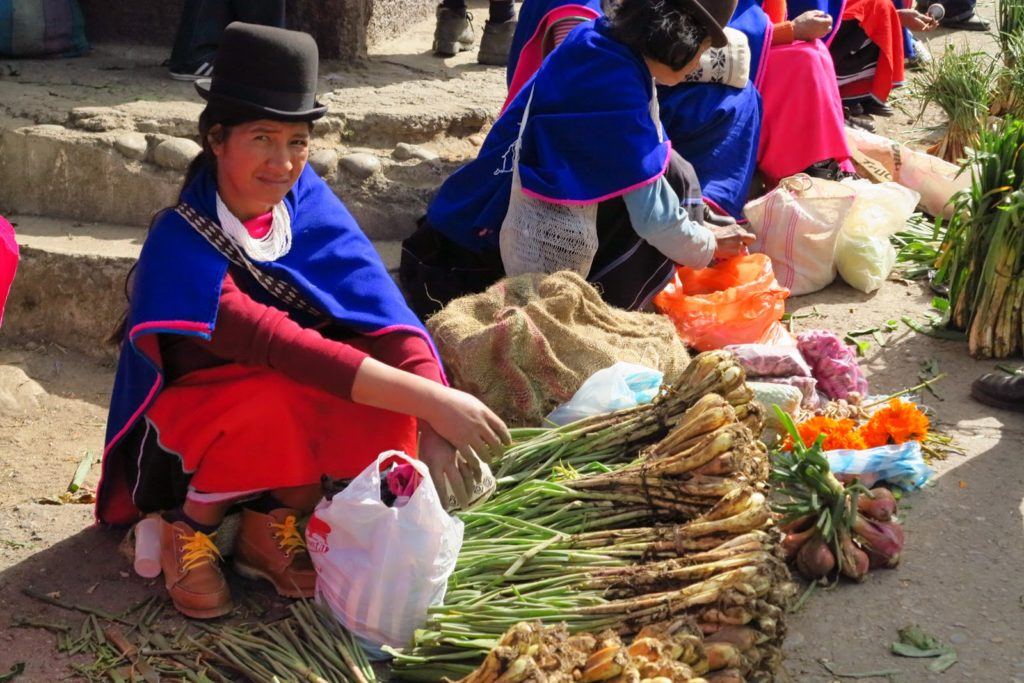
289	538
198	550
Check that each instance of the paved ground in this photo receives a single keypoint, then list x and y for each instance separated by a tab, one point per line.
961	574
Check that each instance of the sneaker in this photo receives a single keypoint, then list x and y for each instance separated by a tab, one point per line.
453	33
204	70
496	43
922	56
270	546
189	560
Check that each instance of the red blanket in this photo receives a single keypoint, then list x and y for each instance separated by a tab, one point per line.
879	20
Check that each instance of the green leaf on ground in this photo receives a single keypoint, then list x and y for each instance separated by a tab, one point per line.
914	642
887	673
16	670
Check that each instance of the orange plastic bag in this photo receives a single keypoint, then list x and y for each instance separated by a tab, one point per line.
737	301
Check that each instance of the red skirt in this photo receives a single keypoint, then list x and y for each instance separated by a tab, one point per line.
239	428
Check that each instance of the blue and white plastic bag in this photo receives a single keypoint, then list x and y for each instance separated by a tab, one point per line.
622	385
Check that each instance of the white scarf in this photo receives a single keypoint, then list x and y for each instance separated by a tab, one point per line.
272	246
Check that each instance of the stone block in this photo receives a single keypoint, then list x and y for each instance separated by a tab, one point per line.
343	28
53	171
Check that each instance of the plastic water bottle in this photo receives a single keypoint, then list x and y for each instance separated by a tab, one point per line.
147	547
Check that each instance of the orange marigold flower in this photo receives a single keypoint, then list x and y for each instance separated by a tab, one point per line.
898	422
839	434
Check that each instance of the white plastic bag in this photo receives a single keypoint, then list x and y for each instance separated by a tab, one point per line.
864	254
622	385
797	225
936	179
787	398
380	568
543	237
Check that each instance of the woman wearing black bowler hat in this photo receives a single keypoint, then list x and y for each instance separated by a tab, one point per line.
265	344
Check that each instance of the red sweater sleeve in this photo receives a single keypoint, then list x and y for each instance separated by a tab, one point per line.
409	352
252	333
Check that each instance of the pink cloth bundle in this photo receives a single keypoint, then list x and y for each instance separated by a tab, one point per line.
833	363
770	360
403	480
803	115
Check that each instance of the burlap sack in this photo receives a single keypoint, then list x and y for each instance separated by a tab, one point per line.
526	344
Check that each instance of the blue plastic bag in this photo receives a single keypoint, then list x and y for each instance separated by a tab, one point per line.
622	385
899	464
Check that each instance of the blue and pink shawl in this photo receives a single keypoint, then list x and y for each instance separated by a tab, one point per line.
176	290
590	137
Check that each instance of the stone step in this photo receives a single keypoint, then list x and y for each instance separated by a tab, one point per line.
70	285
125	177
105	138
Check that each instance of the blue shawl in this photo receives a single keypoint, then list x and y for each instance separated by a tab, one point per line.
176	290
589	137
531	16
716	128
752	21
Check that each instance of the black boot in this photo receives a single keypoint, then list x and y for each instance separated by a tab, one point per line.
1000	390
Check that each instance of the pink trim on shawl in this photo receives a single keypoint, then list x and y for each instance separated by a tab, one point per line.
762	68
836	21
183	325
531	57
610	195
133	334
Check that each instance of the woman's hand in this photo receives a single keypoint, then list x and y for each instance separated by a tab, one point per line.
732	240
446	465
467	424
812	25
915	21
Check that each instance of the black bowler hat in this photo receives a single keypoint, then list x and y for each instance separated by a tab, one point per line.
265	70
713	14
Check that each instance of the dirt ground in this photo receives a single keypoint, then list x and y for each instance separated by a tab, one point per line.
960	579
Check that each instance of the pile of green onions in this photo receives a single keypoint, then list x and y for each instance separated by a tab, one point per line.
962	83
618	536
983	257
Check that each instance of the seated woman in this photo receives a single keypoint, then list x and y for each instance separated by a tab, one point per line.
718	128
265	345
868	51
714	126
803	128
590	138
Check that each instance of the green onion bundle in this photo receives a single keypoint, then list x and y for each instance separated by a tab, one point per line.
615	438
983	261
574	544
1009	22
963	84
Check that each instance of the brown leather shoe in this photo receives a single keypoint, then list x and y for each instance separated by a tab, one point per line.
271	546
193	579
